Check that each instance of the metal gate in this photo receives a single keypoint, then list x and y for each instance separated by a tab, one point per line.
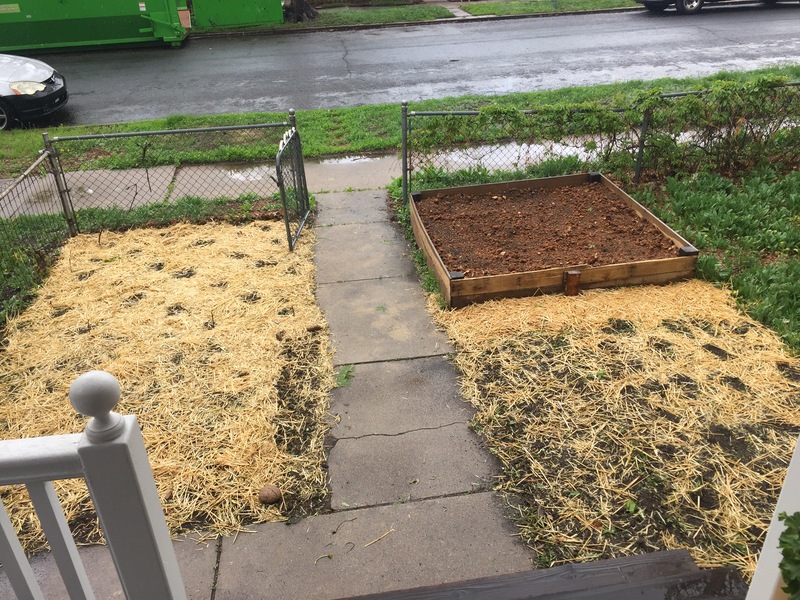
292	184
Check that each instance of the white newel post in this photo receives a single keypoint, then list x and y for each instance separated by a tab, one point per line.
124	492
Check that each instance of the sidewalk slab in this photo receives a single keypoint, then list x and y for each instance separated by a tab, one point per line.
376	250
341	208
229	180
344	554
124	189
379	319
396	397
195	559
351	173
35	196
426	463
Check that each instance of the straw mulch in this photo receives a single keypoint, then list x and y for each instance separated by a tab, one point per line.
632	420
221	352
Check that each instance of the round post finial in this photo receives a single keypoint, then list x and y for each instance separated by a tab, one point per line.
95	394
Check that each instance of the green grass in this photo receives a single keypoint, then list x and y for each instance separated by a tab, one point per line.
394	14
28	249
344	375
748	233
533	7
351	16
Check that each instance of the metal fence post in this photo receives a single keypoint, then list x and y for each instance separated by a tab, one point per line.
640	152
61	185
124	493
404	134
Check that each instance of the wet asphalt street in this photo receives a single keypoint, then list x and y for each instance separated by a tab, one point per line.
348	68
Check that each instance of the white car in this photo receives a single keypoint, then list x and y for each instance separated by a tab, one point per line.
29	89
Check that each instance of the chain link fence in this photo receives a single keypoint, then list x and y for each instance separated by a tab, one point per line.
123	180
729	128
112	174
34	222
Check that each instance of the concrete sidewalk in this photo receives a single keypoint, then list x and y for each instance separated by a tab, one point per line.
410	483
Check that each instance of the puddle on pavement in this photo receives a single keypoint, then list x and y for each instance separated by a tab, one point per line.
513	155
494	156
351	160
250	173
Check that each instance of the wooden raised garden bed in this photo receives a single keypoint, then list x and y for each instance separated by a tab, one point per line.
556	234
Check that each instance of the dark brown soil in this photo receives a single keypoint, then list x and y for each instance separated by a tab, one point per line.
522	230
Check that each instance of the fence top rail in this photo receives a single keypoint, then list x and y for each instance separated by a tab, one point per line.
40	459
475	113
43	156
105	136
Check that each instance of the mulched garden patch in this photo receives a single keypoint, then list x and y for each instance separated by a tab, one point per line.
632	420
222	354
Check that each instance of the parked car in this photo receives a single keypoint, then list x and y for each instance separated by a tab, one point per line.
684	7
29	89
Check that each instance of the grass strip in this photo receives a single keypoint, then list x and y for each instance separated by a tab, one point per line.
534	7
352	16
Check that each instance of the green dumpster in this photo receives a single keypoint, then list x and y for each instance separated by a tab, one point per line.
32	24
214	14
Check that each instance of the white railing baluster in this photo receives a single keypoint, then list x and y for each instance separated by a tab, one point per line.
51	515
110	455
14	562
124	492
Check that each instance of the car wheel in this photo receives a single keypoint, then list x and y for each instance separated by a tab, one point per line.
688	7
655	8
6	118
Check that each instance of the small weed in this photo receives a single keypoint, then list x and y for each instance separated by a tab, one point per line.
382	308
344	375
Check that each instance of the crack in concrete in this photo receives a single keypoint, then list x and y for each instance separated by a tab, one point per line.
447	354
344	59
379	278
367	435
216	568
721	37
478	489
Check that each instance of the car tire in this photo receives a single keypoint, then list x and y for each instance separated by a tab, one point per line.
655	8
688	7
6	117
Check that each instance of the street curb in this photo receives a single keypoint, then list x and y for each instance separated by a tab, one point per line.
453	20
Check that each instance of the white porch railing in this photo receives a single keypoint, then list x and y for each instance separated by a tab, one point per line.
111	456
767	580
